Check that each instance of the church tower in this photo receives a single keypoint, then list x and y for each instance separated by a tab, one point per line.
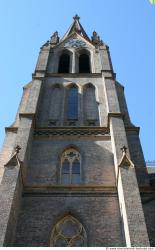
72	167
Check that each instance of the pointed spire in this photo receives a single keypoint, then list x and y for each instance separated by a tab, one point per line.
76	27
76	17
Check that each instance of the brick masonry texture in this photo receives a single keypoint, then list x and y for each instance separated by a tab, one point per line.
99	216
97	161
111	218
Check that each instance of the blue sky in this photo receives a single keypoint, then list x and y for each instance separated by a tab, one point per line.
127	26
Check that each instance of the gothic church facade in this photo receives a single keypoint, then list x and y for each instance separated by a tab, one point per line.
72	168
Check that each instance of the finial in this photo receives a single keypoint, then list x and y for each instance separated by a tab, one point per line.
94	33
124	149
76	17
17	149
54	38
95	38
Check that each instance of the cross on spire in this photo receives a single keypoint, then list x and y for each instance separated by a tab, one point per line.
124	149
76	17
17	149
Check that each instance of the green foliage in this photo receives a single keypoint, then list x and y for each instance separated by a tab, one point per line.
152	1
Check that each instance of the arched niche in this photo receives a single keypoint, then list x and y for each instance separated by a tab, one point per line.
55	107
90	105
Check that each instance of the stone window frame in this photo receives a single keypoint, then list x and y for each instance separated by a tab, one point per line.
97	120
77	55
67	121
68	52
65	156
52	122
58	233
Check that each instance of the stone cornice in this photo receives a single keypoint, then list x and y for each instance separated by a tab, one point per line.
109	74
120	115
11	129
27	115
132	128
70	190
72	75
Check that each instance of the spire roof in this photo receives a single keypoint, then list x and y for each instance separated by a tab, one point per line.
76	27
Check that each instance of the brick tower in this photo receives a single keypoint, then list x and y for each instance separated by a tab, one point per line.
72	167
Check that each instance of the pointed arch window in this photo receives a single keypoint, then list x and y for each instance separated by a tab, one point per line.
72	109
55	105
64	63
84	63
70	170
91	113
68	232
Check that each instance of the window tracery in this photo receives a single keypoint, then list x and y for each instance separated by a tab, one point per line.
68	232
70	172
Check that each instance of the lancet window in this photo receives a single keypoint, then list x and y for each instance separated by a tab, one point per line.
72	104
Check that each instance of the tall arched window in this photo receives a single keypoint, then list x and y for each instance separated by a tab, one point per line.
55	105
70	169
72	105
90	105
84	63
68	232
64	62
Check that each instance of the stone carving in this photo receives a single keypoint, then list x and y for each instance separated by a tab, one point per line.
75	43
71	132
54	38
96	39
14	160
125	162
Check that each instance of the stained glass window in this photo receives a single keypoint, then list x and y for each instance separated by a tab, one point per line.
72	103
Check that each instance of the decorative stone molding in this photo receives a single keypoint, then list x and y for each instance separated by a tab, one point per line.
72	132
14	161
125	162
